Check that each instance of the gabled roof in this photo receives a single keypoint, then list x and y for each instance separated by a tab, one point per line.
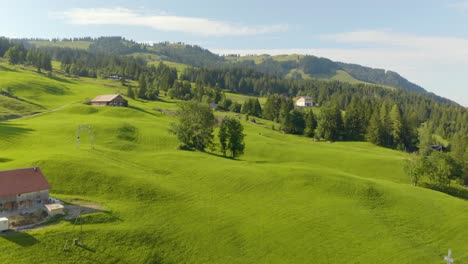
13	182
105	98
305	97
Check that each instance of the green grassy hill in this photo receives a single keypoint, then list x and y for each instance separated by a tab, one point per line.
287	200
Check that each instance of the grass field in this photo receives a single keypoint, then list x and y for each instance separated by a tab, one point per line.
287	200
241	98
63	44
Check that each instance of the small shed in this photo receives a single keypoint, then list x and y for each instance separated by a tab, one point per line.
109	100
4	224
54	209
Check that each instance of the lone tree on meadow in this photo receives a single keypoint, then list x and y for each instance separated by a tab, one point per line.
231	137
195	125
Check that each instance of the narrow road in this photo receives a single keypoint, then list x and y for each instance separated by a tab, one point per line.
46	112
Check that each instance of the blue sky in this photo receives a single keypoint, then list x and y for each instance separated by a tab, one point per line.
425	41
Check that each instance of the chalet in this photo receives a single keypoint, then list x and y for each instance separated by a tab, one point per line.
109	100
22	189
305	101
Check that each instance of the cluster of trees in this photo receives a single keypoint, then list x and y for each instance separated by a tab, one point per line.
195	128
252	107
154	79
380	124
18	54
115	46
4	45
446	118
188	54
85	64
231	137
436	166
39	59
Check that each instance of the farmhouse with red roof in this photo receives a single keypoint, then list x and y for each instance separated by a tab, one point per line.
22	189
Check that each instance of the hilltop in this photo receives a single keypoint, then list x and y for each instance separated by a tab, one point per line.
287	200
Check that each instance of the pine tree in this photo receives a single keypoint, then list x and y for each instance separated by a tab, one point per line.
374	130
270	108
385	126
330	124
353	122
310	123
143	88
130	92
425	139
294	122
396	127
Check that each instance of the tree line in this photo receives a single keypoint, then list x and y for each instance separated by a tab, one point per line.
18	54
195	129
446	118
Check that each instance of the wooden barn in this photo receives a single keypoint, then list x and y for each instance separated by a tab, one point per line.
109	100
22	189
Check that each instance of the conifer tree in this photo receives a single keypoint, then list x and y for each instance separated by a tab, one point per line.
353	122
310	123
396	126
143	87
130	92
374	130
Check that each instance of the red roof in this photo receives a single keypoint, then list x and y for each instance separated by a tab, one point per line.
19	181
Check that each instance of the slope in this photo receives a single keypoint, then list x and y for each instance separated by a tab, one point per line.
288	200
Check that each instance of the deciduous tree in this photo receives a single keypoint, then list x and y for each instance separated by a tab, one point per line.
195	125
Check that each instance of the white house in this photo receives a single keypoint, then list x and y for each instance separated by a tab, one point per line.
305	101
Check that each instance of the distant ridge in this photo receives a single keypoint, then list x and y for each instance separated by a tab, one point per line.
288	66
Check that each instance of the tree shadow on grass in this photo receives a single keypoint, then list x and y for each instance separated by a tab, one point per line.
3	160
60	79
222	156
9	131
141	110
19	238
3	68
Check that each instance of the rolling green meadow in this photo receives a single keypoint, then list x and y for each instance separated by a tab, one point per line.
287	200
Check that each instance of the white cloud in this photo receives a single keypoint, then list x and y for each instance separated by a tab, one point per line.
436	63
164	22
460	5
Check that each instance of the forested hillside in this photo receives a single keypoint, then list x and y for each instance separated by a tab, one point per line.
291	66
